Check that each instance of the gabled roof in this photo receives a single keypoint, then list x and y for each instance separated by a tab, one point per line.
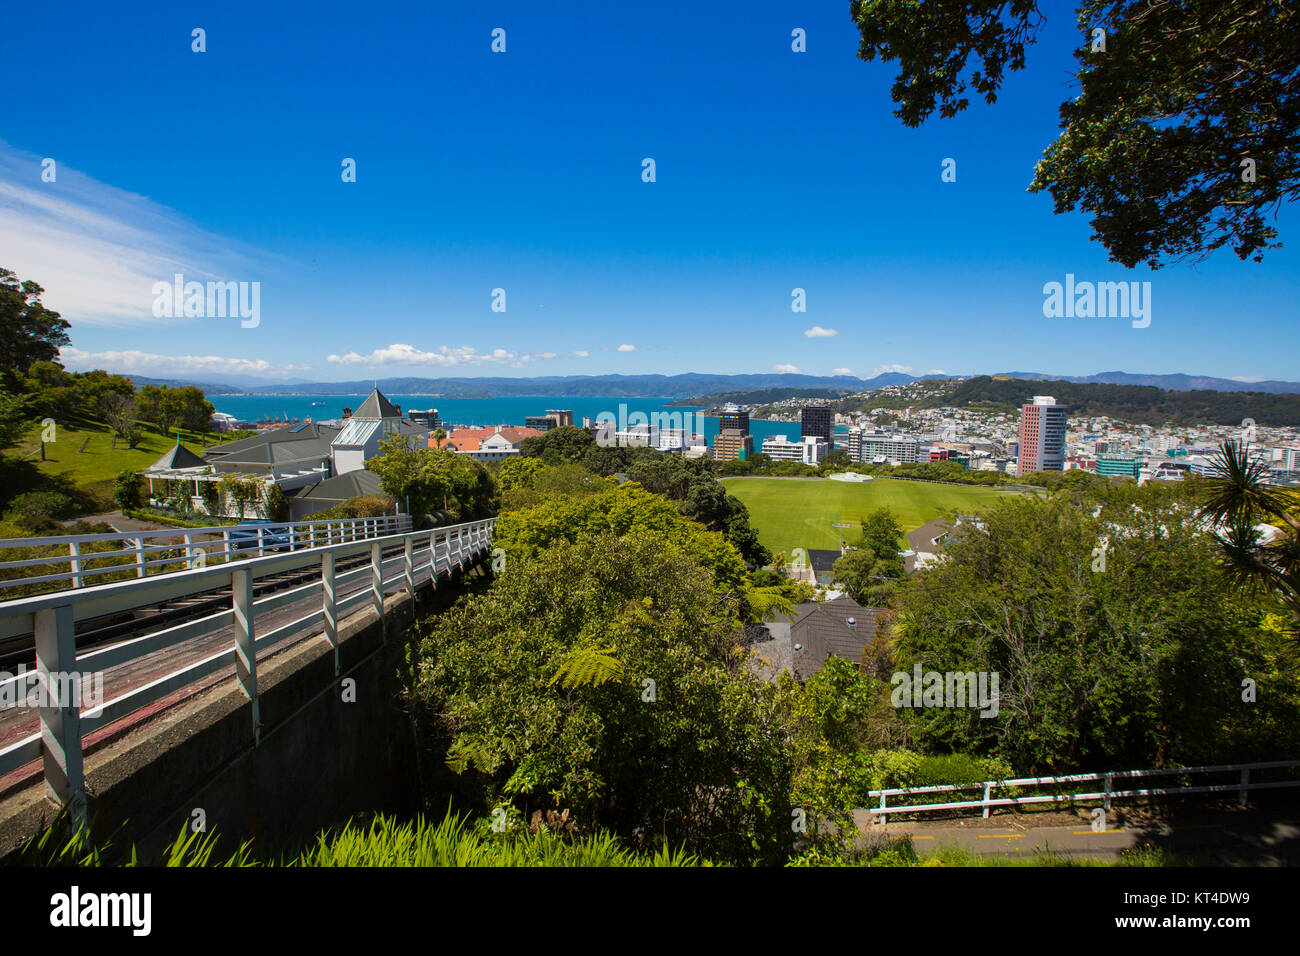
470	439
376	407
178	457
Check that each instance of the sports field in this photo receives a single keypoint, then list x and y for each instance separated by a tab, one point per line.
794	513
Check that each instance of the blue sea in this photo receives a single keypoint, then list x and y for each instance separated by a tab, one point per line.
473	412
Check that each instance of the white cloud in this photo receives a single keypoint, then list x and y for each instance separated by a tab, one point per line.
841	371
147	363
936	371
627	348
817	332
582	353
444	357
786	369
98	250
882	369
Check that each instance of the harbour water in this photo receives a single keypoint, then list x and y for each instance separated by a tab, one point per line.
473	412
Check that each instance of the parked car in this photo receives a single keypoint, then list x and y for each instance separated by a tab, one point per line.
273	536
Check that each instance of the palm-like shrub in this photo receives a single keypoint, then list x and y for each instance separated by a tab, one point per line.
1236	500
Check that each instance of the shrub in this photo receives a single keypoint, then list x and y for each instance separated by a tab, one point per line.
127	490
38	510
277	505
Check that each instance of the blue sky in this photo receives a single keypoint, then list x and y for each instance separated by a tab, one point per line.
522	171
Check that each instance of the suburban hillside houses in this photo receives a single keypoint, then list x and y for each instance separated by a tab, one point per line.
316	465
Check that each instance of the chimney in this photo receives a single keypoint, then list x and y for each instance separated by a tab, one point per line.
347	413
399	410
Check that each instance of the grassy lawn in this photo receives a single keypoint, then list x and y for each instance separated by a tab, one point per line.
94	469
791	514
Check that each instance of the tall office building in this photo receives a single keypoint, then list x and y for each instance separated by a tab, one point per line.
1042	436
734	419
731	444
855	443
818	421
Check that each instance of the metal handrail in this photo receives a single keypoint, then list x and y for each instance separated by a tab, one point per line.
51	619
1241	787
189	551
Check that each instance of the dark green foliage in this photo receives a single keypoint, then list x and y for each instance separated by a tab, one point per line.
1154	135
540	687
128	490
29	332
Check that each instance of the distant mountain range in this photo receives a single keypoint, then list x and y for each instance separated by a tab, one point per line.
688	385
1177	382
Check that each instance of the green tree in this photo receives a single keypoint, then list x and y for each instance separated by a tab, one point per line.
128	490
29	332
1236	499
440	485
604	676
1117	638
13	419
1167	119
558	445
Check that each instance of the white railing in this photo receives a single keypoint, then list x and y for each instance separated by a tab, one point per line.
149	552
52	619
1108	792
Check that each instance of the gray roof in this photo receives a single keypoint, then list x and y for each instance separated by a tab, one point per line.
177	457
342	487
235	450
922	539
824	631
376	406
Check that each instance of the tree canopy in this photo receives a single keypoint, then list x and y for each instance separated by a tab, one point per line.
1184	132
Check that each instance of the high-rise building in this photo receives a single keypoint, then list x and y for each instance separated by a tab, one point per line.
730	444
734	419
561	416
1042	436
896	449
543	423
819	421
855	443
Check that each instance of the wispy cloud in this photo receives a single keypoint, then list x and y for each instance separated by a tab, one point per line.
841	371
882	369
98	250
817	332
443	357
627	348
147	363
786	369
582	353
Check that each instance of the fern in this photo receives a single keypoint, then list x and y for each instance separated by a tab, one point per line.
588	667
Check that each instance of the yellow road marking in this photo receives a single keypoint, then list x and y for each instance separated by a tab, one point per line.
1086	832
1001	836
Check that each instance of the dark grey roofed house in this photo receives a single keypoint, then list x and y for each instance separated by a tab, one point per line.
929	538
177	457
304	441
333	491
840	628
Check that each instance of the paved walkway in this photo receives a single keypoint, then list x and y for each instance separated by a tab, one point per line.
1250	837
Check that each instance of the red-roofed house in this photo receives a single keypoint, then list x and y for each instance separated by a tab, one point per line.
487	444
